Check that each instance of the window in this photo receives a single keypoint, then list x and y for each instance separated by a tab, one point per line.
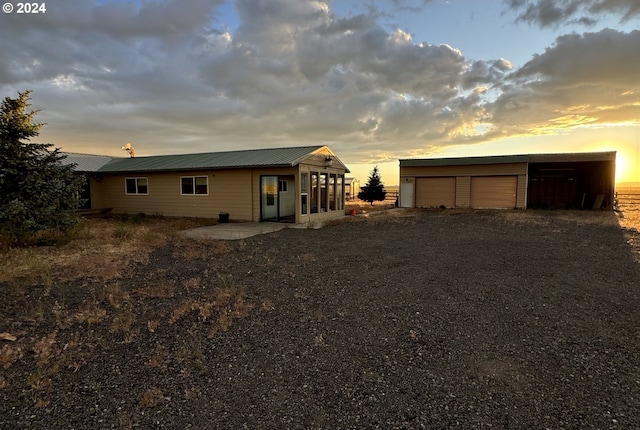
194	185
284	185
314	192
332	192
304	193
340	192
136	186
324	179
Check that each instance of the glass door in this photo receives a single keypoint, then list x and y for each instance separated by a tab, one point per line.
269	198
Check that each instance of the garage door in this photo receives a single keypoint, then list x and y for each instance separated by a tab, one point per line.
494	192
435	192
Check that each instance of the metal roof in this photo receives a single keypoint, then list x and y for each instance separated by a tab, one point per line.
506	159
463	161
573	157
272	157
85	162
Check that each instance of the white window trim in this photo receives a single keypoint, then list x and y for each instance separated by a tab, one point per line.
194	185
136	179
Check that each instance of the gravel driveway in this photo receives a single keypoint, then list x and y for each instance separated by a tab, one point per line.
416	320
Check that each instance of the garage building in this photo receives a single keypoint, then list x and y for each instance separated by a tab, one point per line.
553	181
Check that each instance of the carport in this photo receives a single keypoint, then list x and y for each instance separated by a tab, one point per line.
571	181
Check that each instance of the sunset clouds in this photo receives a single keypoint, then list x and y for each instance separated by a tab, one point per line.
192	77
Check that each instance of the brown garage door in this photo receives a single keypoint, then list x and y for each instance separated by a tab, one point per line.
494	192
435	192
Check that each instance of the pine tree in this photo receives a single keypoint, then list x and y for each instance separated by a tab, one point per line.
37	192
374	189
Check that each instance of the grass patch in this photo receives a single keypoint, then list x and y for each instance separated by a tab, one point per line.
226	305
151	398
161	290
9	354
544	217
99	248
190	354
123	320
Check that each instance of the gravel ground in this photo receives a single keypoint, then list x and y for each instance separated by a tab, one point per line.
412	320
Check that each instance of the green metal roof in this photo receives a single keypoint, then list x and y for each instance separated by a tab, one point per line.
463	161
272	157
506	159
85	162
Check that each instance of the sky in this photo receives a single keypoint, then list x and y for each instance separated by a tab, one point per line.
376	81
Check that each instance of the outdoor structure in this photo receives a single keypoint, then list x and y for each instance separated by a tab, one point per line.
352	188
568	181
297	184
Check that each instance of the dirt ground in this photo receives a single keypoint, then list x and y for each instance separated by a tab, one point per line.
413	319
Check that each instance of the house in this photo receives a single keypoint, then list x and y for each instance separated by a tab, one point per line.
571	181
352	188
86	165
296	184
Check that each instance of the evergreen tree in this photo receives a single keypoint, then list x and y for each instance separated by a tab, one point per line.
374	189
37	192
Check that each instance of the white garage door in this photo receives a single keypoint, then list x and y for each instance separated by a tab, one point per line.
497	192
435	192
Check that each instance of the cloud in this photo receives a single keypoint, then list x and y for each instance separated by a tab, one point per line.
551	13
171	78
589	79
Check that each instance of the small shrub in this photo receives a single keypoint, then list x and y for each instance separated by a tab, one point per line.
190	305
192	284
123	320
9	354
190	353
39	379
91	314
123	232
151	398
45	349
115	295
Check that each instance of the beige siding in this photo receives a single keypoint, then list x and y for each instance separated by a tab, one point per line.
228	192
319	161
463	191
234	191
522	192
435	192
470	170
494	191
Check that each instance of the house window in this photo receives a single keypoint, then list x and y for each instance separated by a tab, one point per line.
136	186
283	186
314	192
340	192
324	179
190	185
332	192
304	193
